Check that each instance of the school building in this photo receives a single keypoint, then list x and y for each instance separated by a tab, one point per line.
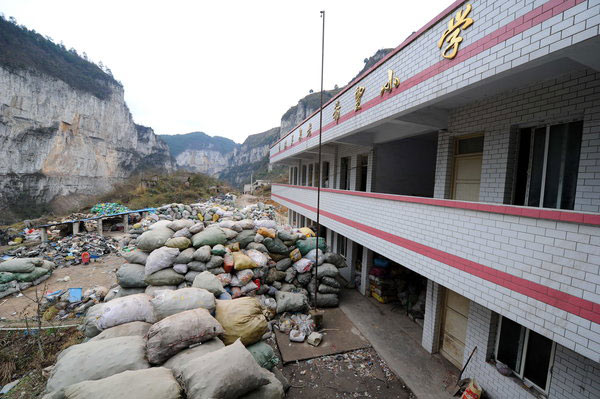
470	156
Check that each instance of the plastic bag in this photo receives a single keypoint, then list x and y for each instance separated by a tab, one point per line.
258	257
473	391
242	262
241	318
303	265
225	278
244	276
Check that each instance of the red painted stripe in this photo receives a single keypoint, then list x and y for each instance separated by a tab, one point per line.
513	28
561	300
402	45
536	213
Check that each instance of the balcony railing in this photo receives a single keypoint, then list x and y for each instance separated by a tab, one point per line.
539	266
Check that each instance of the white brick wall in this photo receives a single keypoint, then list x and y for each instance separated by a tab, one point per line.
575	96
576	24
524	247
572	375
481	332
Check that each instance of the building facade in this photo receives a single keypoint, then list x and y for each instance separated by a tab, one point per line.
470	155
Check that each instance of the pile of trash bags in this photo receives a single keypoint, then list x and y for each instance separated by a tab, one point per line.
214	210
67	251
108	208
170	345
233	258
18	274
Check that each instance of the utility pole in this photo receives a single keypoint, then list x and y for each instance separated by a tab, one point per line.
319	162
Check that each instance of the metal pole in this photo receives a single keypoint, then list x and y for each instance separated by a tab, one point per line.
319	163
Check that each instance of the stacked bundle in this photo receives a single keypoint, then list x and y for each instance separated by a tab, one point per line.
214	210
143	347
18	274
381	285
231	258
108	208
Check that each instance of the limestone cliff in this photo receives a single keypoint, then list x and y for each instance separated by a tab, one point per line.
199	152
59	145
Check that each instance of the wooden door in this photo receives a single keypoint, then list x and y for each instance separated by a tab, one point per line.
454	327
467	177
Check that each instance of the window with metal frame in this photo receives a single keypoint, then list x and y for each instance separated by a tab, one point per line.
325	173
528	354
310	176
342	245
344	173
303	177
547	165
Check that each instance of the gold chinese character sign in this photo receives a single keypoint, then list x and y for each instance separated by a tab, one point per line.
337	110
360	90
392	82
309	130
451	35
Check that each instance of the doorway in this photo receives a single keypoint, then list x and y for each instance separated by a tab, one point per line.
468	157
454	327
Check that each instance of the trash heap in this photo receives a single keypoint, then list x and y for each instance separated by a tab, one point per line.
108	208
232	258
214	210
67	251
18	274
171	345
70	303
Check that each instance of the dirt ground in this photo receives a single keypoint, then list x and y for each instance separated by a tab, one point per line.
102	272
356	374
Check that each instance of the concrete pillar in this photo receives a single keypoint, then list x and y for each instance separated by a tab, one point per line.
44	234
349	272
432	320
75	228
367	261
99	226
125	223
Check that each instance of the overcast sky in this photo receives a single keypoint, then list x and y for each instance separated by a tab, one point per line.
228	68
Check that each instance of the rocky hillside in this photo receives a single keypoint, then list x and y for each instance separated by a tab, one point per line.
199	152
236	163
65	131
221	157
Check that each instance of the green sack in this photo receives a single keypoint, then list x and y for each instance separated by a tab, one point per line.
211	236
20	265
6	277
29	277
305	246
276	246
263	354
164	277
245	238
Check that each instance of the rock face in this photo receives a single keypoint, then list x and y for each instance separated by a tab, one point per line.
58	145
221	157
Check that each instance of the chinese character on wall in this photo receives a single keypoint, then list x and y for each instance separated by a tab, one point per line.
360	90
337	111
451	35
309	130
392	82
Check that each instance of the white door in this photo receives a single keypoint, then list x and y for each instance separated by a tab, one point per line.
454	327
467	177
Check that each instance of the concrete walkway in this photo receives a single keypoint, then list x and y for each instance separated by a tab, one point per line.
397	339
